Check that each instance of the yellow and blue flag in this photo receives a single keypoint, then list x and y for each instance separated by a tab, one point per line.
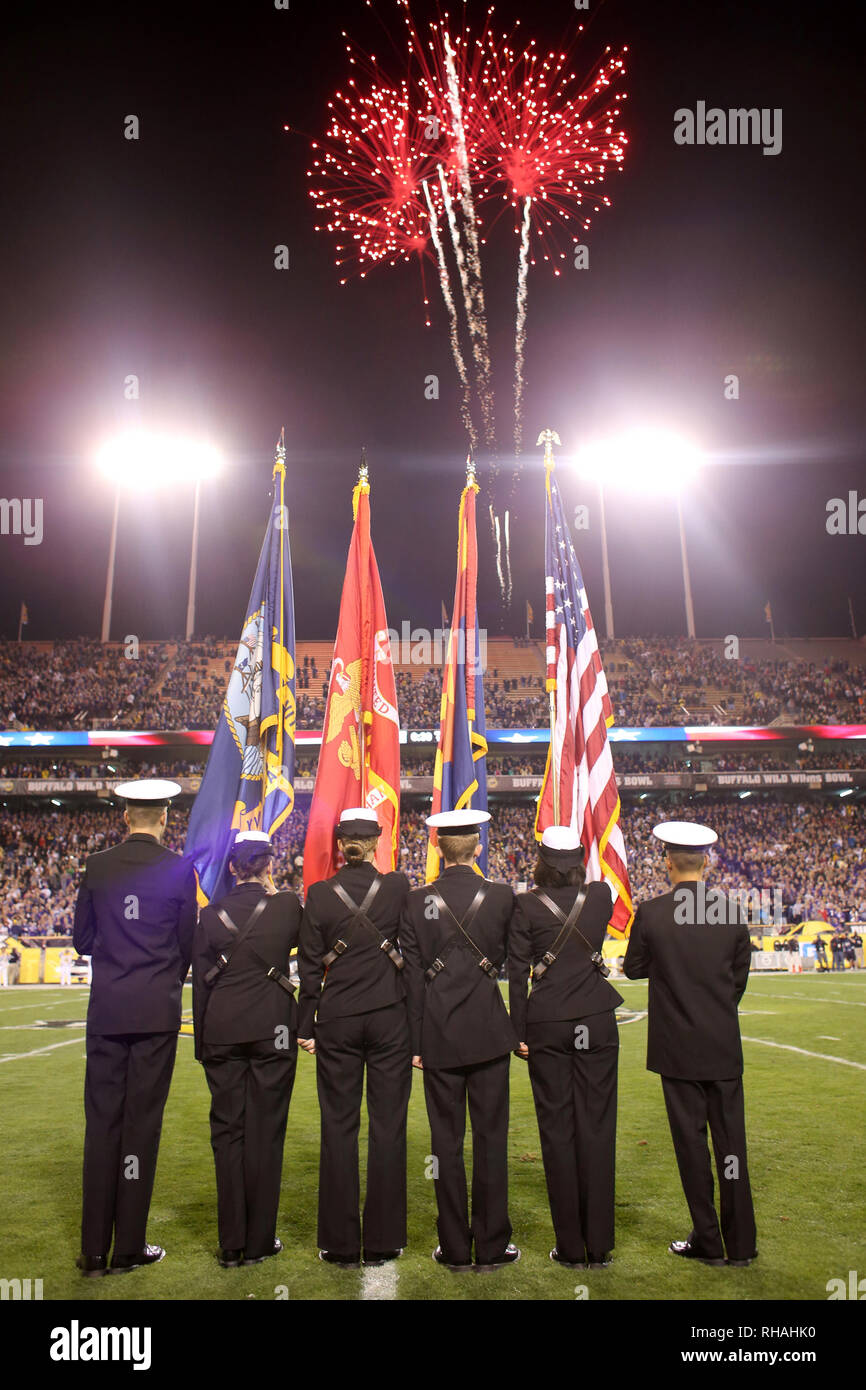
460	771
248	783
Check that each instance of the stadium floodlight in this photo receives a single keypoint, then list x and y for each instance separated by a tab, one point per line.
641	460
142	462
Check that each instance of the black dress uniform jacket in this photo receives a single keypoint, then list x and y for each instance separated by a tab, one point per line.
363	978
697	976
243	1004
360	1026
135	916
572	987
459	1018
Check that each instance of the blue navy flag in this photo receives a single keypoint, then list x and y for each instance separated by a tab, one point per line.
248	783
460	770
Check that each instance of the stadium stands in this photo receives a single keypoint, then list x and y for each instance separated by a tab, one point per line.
812	852
171	685
807	843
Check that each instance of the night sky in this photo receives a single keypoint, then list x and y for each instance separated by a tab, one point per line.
155	257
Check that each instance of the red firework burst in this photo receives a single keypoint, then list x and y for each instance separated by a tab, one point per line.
367	175
541	136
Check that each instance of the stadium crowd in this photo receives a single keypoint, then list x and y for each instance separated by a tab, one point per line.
812	853
652	682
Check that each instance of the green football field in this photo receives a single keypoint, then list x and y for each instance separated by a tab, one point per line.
805	1049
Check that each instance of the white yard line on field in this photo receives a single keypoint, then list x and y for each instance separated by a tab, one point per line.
40	1024
37	1004
818	998
380	1281
821	1056
16	1056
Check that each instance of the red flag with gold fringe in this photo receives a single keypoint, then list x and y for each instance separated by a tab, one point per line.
359	761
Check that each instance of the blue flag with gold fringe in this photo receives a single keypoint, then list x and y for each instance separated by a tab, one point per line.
460	770
248	783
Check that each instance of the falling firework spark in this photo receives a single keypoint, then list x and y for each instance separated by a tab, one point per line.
470	227
520	325
453	333
497	540
508	559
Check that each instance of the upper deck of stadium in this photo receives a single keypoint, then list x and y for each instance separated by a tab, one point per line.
174	685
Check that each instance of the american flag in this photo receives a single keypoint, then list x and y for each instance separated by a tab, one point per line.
579	763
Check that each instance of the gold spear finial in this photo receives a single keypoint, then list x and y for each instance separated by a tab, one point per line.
280	450
470	471
548	438
363	472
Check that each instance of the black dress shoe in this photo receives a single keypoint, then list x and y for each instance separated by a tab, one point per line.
688	1252
567	1264
230	1259
602	1261
331	1257
456	1268
381	1257
509	1256
150	1255
257	1259
92	1266
741	1264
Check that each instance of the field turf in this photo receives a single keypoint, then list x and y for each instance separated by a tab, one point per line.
805	1117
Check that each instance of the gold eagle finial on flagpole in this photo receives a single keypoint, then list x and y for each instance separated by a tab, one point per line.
548	438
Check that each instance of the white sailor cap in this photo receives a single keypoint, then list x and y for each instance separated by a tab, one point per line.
360	821
561	848
249	845
465	822
148	791
685	834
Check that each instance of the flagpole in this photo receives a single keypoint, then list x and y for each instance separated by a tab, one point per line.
109	577
193	564
548	438
605	565
21	620
687	583
851	616
363	480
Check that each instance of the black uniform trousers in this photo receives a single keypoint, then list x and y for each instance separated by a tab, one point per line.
250	1086
691	1105
125	1089
379	1041
485	1086
574	1082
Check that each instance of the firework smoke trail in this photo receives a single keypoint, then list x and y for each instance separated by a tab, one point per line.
477	317
520	329
445	285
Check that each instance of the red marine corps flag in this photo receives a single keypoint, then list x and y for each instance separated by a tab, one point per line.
359	762
579	787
